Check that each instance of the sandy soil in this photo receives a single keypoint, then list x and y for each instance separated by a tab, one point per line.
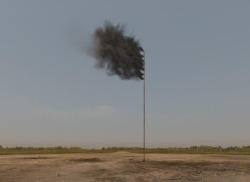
124	167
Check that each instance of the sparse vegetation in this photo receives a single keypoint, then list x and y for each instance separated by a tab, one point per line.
203	149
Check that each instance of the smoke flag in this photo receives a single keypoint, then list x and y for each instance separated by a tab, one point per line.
121	55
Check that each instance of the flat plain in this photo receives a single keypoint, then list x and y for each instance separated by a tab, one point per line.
124	167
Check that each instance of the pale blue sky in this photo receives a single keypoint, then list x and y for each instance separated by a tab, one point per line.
197	63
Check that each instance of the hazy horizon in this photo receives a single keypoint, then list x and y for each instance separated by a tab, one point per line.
197	71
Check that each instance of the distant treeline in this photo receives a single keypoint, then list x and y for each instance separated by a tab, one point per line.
203	149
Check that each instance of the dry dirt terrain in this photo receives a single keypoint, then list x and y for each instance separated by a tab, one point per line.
124	167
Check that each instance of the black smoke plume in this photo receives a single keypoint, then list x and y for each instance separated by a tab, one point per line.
120	54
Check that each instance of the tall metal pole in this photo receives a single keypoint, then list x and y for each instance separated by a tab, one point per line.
144	111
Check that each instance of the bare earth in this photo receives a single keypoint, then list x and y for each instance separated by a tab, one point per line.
124	167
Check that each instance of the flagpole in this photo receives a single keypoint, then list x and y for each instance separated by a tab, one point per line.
144	111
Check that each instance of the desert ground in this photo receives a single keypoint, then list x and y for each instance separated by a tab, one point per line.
124	167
